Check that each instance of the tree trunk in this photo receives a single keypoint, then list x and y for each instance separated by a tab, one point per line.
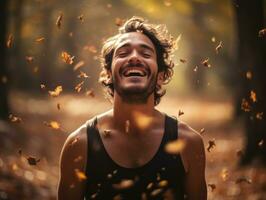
251	59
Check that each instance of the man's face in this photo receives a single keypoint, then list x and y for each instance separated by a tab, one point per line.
134	68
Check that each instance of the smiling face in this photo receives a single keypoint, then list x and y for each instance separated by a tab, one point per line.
134	67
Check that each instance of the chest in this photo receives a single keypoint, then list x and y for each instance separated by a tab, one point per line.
133	151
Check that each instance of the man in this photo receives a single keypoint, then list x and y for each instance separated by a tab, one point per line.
131	151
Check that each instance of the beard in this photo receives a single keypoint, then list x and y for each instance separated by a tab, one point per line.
136	95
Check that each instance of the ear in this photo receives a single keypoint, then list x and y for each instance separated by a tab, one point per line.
160	78
109	75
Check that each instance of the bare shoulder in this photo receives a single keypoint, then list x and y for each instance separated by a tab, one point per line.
188	134
194	152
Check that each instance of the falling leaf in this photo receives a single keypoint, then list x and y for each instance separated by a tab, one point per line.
211	144
182	60
78	159
119	21
41	39
14	118
195	69
206	63
156	192
107	133
80	175
245	105
253	96
243	179
78	86
82	75
94	195
9	42
127	126
149	186
202	130
224	174
109	176
80	17
43	87
249	75
124	184
56	92
175	147
142	120
32	160
29	58
78	65
109	5
14	167
163	183
261	142
35	69
90	48
218	48
67	58
212	186
74	141
259	115
70	34
58	105
53	124
59	20
262	32
90	93
180	112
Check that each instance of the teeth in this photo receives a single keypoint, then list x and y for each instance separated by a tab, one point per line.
130	71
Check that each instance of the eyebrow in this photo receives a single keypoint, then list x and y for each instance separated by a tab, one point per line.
141	45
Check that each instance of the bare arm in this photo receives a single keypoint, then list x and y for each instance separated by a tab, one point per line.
194	157
72	162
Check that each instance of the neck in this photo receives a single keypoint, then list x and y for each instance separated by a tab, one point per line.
134	113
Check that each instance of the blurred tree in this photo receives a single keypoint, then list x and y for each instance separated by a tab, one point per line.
3	67
251	65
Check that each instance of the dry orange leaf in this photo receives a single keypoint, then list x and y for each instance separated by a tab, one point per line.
90	93
41	39
206	63
142	120
78	65
78	86
224	174
262	32
80	17
259	115
58	105
249	75
80	175
211	144
127	126
53	124
182	60
212	186
218	48
119	21
67	58
32	160
9	42
245	105
59	20
14	118
163	183
43	87
175	147
243	179
124	184
180	112
253	96
82	75
56	92
29	58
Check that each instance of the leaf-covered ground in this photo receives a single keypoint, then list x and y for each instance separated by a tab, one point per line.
30	144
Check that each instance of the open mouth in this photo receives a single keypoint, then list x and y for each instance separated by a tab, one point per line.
134	72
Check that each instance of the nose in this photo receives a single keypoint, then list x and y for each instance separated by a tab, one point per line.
134	58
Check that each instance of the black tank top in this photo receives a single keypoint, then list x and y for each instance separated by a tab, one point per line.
161	178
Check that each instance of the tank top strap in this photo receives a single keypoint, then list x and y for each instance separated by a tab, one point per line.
171	128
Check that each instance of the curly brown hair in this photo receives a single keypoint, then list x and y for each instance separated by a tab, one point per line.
162	41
